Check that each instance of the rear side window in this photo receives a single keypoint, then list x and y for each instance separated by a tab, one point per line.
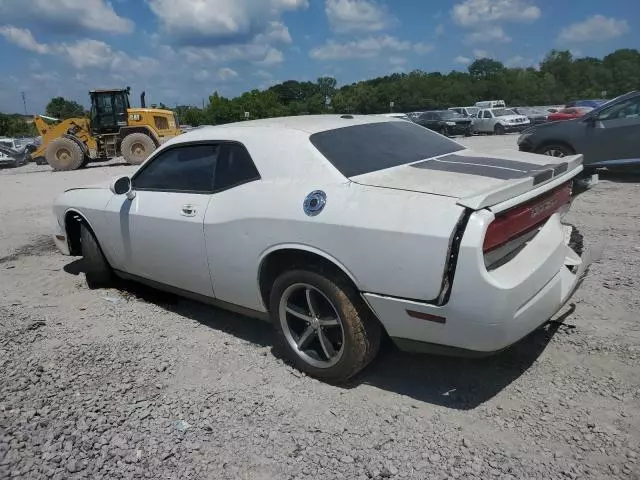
234	167
368	148
180	169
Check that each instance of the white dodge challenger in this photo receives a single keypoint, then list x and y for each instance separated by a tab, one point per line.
341	229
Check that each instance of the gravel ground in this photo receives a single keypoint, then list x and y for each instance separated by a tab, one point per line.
132	383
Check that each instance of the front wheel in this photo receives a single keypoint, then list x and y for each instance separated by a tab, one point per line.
444	130
96	268
558	151
498	129
322	324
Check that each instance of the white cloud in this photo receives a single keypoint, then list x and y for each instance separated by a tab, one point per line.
23	39
263	74
439	30
366	48
462	60
216	22
597	28
470	13
260	54
479	53
348	16
490	34
519	61
89	15
84	53
397	60
227	74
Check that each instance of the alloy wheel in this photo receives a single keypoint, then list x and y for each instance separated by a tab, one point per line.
311	325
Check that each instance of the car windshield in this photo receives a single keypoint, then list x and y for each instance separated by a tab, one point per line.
371	147
502	112
449	114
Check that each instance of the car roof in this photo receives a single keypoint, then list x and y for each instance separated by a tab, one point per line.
305	123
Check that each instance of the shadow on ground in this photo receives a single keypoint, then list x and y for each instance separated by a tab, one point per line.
620	176
457	383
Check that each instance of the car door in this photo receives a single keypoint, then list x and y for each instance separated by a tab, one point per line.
484	119
158	234
614	134
233	242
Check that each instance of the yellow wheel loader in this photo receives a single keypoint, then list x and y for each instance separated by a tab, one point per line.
113	129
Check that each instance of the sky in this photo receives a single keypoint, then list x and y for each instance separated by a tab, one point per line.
181	51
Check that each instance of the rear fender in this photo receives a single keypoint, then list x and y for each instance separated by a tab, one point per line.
124	131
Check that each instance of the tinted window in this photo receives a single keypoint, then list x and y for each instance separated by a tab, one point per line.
449	114
629	108
182	169
368	148
487	114
234	167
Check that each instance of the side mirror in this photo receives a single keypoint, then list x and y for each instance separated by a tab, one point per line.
122	186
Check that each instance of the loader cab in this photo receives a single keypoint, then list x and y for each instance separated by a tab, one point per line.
108	110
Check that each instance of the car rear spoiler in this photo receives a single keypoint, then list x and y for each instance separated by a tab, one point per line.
534	182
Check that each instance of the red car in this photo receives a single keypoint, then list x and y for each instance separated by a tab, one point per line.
568	113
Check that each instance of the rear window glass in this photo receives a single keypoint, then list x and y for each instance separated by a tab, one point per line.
375	146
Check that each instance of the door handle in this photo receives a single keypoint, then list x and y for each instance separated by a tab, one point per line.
188	210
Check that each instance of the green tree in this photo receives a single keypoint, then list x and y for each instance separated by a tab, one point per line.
15	126
62	108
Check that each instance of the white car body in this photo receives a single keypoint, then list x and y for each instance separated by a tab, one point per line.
487	119
401	116
409	237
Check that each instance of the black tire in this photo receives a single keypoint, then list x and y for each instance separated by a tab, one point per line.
444	131
40	160
498	129
63	154
555	150
97	270
136	148
362	332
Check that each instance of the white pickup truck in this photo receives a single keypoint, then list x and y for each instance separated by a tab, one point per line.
499	121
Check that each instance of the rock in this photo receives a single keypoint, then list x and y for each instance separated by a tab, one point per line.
72	466
182	426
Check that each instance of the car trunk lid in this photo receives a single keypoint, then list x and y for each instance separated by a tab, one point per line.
477	180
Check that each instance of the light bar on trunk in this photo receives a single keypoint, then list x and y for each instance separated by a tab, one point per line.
523	218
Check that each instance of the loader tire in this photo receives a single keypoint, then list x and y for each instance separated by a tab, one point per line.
64	154
136	147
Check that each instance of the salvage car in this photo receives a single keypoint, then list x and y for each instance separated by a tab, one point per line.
340	229
446	122
607	137
568	113
499	121
534	115
466	112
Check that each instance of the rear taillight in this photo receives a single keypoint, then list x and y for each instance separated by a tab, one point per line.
517	221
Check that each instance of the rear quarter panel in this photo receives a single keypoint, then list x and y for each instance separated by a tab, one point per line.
388	241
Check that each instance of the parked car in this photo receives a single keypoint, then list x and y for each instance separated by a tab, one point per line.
534	115
491	104
467	112
586	103
402	116
606	136
446	122
11	158
568	113
339	228
499	121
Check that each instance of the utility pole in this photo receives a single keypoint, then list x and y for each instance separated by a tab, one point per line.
24	102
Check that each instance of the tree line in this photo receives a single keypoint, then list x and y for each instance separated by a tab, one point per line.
559	79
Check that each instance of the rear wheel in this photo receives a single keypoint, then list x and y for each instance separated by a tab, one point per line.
555	150
64	154
498	129
136	147
97	269
323	325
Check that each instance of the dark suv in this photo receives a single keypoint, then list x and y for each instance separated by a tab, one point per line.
608	136
445	122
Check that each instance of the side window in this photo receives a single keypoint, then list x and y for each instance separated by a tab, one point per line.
487	114
627	109
181	169
234	167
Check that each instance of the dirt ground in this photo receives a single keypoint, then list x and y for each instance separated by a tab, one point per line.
133	383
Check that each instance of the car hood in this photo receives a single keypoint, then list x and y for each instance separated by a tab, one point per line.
475	179
104	185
